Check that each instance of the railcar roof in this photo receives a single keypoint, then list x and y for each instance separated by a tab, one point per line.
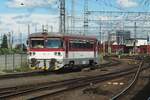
49	34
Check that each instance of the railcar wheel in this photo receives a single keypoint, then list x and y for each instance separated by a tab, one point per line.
71	64
92	64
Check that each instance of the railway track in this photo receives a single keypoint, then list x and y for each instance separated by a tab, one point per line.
22	74
111	62
125	90
47	89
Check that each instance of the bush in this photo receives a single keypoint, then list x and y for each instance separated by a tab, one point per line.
5	51
23	68
16	51
9	51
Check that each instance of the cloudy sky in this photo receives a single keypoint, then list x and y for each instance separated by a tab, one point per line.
15	15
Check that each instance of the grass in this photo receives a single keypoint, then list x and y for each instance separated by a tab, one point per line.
23	68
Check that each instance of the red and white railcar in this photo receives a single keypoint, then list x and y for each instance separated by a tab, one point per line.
54	51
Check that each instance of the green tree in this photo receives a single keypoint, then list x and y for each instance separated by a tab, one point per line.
21	47
4	42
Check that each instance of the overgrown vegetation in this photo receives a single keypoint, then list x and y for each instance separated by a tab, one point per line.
8	49
4	42
23	68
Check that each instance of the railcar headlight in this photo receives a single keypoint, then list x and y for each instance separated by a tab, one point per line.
59	54
33	53
30	53
55	53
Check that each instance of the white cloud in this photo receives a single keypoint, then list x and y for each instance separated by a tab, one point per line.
30	3
127	3
12	22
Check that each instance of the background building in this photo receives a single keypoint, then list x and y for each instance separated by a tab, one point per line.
119	37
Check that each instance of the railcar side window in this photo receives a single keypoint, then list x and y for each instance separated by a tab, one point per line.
37	43
81	44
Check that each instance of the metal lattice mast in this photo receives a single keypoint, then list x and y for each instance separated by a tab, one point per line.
85	16
62	17
72	16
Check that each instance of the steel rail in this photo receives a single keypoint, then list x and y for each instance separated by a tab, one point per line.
86	83
82	82
66	82
13	89
125	90
20	74
13	92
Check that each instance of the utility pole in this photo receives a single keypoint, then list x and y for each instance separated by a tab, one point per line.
100	31
1	39
47	27
21	41
85	16
72	16
103	44
35	28
147	50
51	28
43	28
12	39
28	29
9	39
28	35
62	27
109	45
135	37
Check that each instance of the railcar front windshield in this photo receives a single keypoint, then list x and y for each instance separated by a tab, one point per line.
37	43
54	43
48	43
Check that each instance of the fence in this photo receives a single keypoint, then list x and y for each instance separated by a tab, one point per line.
12	61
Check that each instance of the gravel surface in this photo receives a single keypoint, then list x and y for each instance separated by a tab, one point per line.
57	77
101	91
141	90
75	94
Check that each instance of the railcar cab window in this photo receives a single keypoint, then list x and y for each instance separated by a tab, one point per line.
53	43
81	44
37	43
